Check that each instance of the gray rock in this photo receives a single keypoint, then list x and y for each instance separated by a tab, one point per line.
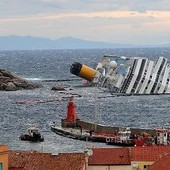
10	87
12	82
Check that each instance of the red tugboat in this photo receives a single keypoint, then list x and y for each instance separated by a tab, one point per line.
123	138
71	130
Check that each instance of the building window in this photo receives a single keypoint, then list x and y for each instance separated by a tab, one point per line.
1	168
145	166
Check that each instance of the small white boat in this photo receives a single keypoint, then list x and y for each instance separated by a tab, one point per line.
33	135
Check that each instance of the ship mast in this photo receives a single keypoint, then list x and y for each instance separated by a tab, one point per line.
95	108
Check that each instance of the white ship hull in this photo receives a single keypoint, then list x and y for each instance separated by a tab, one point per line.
127	76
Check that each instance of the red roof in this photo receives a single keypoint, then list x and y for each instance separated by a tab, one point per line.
110	156
161	164
32	160
148	153
124	156
29	160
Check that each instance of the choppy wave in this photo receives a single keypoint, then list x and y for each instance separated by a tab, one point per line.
33	79
131	111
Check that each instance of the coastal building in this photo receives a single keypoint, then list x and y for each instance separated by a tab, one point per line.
143	157
161	164
163	136
128	158
3	157
133	158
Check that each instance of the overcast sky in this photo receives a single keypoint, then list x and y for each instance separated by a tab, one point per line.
115	21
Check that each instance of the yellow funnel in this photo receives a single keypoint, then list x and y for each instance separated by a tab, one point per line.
83	71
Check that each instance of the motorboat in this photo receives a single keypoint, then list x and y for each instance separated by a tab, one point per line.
32	135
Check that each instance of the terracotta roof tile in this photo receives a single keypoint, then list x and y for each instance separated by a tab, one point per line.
110	156
148	153
31	160
161	164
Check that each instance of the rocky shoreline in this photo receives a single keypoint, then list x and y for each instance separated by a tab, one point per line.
11	82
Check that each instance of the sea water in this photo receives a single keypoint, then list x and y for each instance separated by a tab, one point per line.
52	67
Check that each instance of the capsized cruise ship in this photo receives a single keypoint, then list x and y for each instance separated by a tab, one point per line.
124	75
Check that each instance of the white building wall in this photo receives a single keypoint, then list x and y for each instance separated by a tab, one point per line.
111	167
162	138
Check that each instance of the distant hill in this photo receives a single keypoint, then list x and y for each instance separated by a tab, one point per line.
35	43
32	43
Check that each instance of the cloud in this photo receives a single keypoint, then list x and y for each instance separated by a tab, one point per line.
101	20
109	5
28	7
119	16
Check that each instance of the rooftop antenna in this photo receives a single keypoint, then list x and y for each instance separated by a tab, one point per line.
42	149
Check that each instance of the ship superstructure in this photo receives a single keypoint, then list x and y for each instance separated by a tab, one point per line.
125	75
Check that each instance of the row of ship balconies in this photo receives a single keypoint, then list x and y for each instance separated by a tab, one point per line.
156	77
